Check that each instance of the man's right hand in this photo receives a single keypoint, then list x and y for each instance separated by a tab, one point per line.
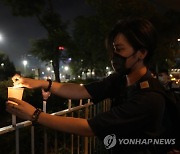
19	81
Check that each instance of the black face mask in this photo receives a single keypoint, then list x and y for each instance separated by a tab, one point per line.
118	63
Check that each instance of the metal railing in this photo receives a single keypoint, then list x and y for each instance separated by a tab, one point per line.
74	144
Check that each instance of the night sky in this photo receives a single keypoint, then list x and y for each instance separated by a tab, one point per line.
18	31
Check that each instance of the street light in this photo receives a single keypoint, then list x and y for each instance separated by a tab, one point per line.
66	68
1	38
2	64
25	62
48	69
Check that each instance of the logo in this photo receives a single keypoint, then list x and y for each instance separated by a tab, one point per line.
110	141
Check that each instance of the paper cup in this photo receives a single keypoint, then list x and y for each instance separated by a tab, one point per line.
15	93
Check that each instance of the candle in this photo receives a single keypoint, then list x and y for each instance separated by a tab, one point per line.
15	93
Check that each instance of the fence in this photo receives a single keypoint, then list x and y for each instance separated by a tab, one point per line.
62	142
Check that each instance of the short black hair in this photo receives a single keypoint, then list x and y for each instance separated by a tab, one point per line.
139	32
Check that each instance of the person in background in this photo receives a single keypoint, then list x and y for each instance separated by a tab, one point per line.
136	113
173	93
164	78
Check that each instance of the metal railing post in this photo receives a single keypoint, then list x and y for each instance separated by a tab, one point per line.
94	138
45	130
69	104
90	138
78	137
72	139
17	141
32	140
45	97
86	138
80	102
16	133
64	138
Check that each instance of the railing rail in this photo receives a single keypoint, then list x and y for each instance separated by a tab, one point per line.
89	142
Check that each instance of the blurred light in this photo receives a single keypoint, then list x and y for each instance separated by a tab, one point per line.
52	71
79	76
45	77
93	73
42	73
1	38
173	79
109	72
107	68
81	84
48	68
69	59
51	61
178	40
66	68
25	62
2	64
61	48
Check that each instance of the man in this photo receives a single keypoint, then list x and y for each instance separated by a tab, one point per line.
135	112
164	78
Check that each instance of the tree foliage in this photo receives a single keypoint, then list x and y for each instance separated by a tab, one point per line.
90	32
168	47
90	52
109	12
7	68
25	8
45	49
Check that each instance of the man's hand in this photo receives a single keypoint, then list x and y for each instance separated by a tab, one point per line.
20	108
19	81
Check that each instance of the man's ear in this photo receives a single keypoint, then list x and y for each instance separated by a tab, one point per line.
142	54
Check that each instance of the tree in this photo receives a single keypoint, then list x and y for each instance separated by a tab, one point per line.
90	32
168	46
48	49
7	68
43	10
167	23
90	53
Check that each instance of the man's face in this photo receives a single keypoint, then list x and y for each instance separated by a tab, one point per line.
123	48
163	78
